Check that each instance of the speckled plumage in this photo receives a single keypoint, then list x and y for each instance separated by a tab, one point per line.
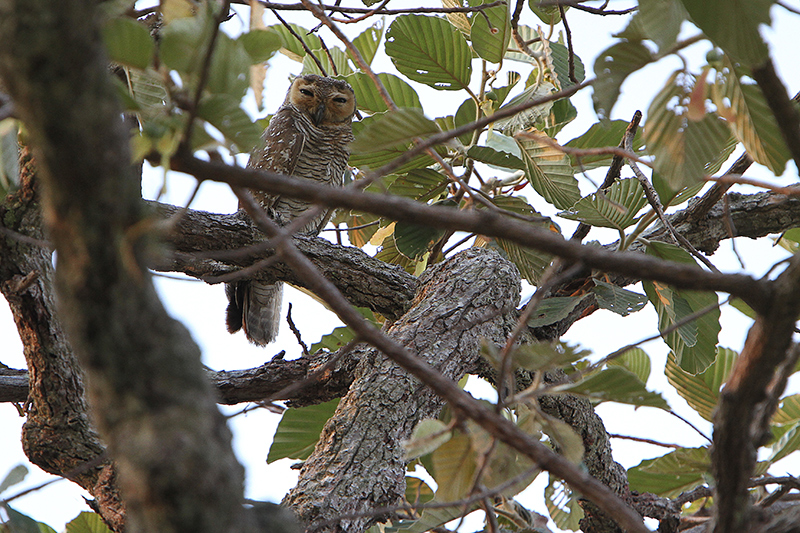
307	138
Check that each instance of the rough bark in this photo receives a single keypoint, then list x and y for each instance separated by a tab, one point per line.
149	396
57	435
750	396
468	298
196	235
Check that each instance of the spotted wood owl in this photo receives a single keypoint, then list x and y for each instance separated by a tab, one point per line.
307	138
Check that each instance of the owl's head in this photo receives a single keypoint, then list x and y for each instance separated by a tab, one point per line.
327	101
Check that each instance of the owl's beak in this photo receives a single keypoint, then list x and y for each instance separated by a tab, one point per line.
319	114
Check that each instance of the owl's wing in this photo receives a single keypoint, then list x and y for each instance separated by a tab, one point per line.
280	148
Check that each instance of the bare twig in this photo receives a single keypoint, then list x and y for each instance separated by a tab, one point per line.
296	331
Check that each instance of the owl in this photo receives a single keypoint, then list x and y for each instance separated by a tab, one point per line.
307	138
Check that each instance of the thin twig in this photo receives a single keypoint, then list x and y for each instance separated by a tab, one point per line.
655	203
646	441
614	169
301	41
571	52
296	331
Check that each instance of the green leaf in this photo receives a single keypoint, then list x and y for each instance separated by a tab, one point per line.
673	305
389	253
128	42
552	310
790	241
562	504
669	196
543	355
601	135
616	299
530	262
369	99
414	241
334	61
184	43
615	384
292	46
230	67
549	14
549	171
701	391
742	307
429	50
532	116
87	522
376	159
750	119
682	147
563	437
490	33
616	208
671	474
367	43
14	476
430	519
357	237
611	68
498	95
634	360
427	436
467	112
789	442
713	166
733	25
560	58
789	411
148	91
260	45
454	467
661	20
9	156
299	430
223	112
495	158
391	129
417	491
505	144
20	523
421	184
557	56
561	114
333	340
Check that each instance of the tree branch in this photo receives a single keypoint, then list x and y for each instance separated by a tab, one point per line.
483	222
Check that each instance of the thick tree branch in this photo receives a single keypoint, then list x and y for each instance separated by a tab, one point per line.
150	398
386	289
483	222
465	301
57	435
366	281
747	401
461	402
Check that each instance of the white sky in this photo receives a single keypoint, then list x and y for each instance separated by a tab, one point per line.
201	307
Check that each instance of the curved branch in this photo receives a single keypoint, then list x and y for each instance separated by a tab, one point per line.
752	291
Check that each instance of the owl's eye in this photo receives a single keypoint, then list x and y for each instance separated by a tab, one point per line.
340	100
306	92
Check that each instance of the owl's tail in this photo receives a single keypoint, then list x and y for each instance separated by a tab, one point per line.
254	307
